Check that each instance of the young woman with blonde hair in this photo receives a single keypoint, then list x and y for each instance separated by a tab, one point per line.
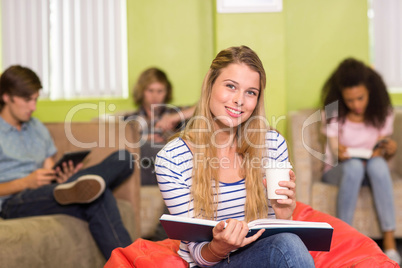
210	170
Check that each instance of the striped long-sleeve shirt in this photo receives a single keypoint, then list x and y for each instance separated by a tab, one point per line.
174	167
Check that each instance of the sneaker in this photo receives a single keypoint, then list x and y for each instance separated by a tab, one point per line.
83	190
393	255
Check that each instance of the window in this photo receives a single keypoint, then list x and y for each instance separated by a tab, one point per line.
77	47
386	40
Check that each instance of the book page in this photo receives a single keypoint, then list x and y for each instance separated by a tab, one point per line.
359	153
168	217
291	223
316	236
259	223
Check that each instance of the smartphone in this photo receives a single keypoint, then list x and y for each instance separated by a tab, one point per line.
379	143
76	157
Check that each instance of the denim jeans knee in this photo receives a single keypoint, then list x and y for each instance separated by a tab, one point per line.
381	185
353	166
280	250
378	166
353	173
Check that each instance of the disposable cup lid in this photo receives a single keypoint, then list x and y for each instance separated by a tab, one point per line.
275	164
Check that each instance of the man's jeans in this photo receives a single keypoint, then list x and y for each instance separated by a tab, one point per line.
350	175
102	214
281	250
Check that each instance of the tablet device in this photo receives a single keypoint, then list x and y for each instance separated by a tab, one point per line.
76	157
359	153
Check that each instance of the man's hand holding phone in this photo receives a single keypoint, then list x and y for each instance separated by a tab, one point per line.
66	170
69	164
39	178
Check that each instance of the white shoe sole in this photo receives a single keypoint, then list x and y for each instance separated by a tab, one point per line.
81	191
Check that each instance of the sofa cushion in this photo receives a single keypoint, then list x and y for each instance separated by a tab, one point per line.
54	241
152	207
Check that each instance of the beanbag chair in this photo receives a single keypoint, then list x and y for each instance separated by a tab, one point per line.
349	248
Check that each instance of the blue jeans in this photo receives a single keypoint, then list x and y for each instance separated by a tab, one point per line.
281	250
102	214
350	175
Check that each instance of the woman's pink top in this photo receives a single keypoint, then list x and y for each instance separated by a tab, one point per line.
354	135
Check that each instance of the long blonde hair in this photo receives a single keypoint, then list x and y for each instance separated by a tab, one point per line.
250	144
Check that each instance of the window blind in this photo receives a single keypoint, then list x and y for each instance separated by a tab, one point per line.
386	23
77	47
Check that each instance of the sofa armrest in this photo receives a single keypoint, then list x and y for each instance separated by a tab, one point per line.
299	156
394	164
103	138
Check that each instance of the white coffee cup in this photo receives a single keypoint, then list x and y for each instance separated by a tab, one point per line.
274	173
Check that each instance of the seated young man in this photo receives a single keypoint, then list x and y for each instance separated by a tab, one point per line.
28	184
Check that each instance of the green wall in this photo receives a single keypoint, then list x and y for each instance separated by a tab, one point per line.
175	35
265	33
319	35
299	47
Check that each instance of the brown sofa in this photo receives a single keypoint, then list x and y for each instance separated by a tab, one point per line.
306	148
152	204
64	241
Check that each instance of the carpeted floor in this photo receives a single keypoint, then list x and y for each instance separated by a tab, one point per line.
398	242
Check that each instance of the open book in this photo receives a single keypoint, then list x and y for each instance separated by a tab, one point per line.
364	153
316	236
359	153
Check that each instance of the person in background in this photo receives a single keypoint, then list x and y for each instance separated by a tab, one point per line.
208	171
364	120
29	186
152	94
